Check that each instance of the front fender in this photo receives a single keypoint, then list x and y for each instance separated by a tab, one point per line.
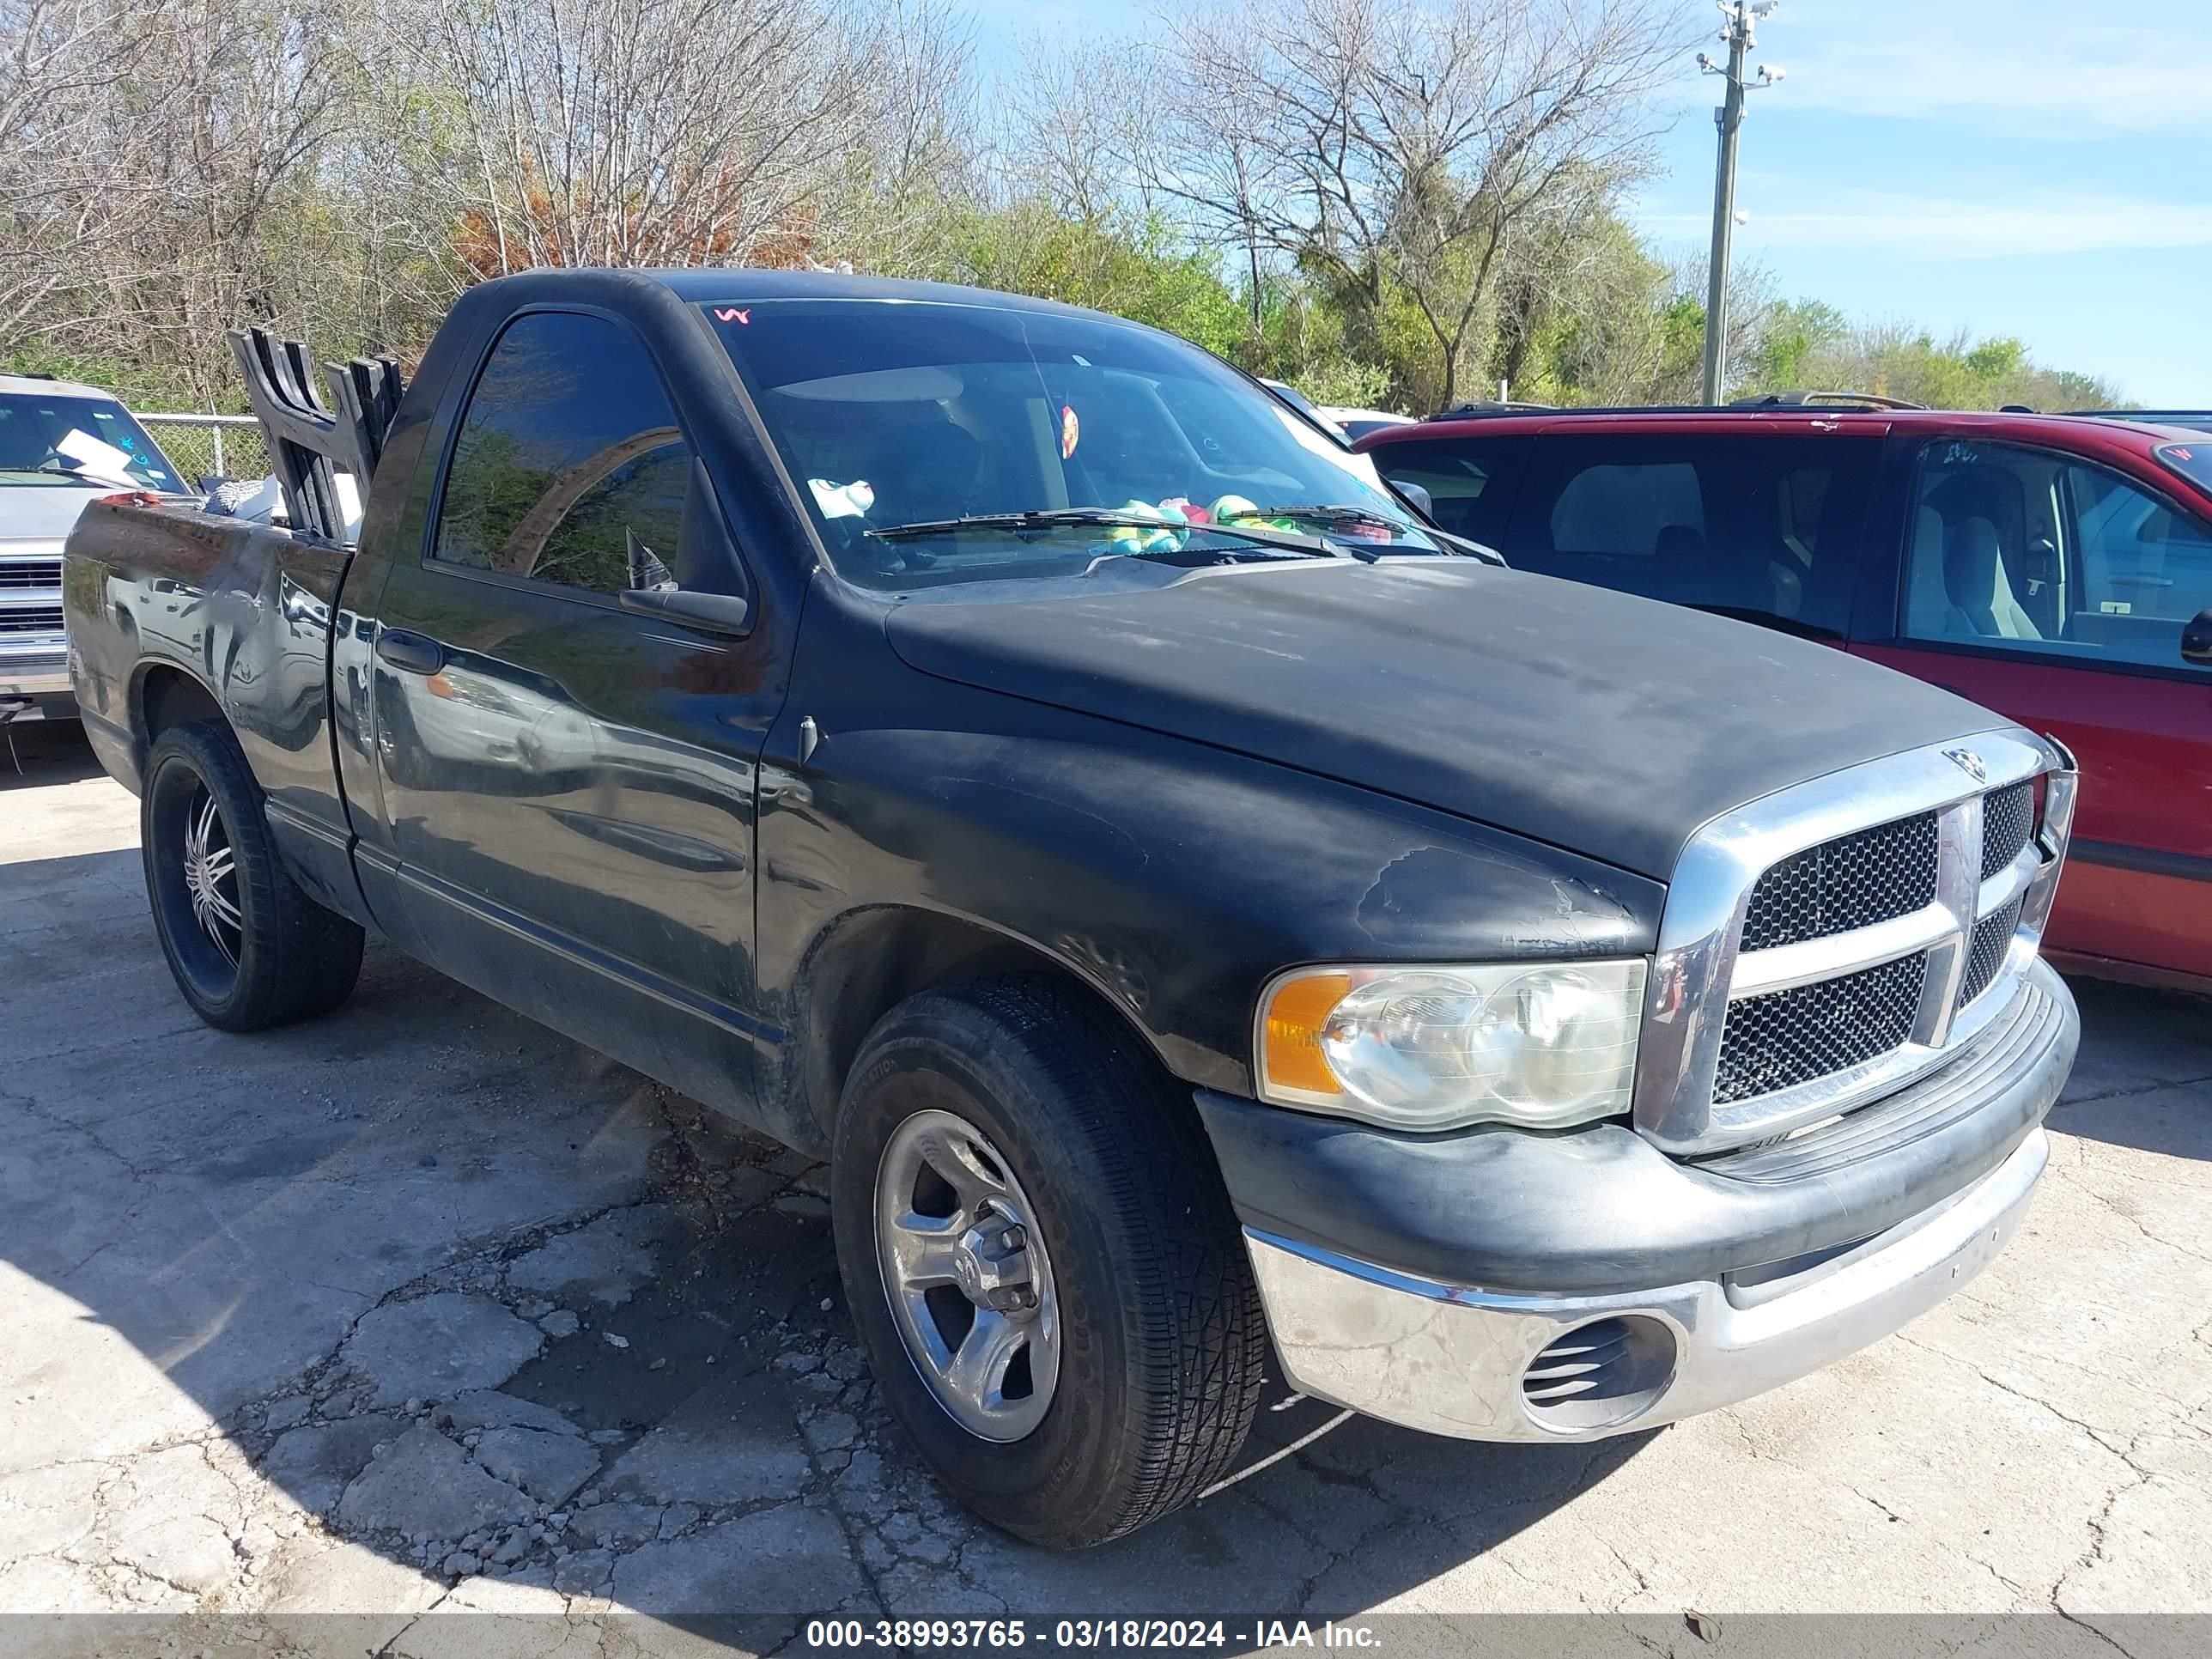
1174	879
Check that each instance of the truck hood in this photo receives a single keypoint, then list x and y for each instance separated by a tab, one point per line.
43	512
1607	725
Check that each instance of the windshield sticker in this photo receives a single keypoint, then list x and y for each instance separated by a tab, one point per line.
733	314
1070	431
850	500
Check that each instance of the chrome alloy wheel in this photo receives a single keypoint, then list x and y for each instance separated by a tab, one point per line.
966	1275
211	876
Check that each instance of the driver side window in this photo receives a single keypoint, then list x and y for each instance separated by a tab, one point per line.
570	467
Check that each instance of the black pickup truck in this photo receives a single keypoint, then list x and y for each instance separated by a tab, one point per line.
1196	908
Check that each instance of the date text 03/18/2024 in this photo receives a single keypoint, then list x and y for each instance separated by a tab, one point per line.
1075	1634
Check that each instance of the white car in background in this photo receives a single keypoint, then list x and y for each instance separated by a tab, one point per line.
1353	423
1356	423
61	445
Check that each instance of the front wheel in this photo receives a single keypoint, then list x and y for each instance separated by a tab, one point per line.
1043	1262
247	948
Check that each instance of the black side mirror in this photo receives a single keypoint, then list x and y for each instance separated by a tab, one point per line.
710	613
2197	639
1417	495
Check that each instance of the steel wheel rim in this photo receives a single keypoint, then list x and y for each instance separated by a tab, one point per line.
211	872
954	1231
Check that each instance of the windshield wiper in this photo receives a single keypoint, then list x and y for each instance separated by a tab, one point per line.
90	473
1048	518
1343	515
1335	513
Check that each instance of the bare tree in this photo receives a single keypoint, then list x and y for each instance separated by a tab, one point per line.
61	61
636	132
917	153
144	155
1403	145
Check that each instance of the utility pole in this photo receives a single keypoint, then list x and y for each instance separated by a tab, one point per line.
1738	18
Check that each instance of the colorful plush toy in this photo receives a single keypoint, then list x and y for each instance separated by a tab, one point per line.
1167	535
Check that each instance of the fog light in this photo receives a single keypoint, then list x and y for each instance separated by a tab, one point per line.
1600	1376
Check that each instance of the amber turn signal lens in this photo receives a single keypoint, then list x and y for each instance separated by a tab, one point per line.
1290	1053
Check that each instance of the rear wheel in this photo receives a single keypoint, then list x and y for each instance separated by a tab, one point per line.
247	948
1041	1261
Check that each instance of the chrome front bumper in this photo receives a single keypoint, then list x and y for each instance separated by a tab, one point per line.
34	667
1453	1361
1573	1286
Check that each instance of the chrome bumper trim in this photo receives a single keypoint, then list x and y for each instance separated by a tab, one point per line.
34	667
1449	1360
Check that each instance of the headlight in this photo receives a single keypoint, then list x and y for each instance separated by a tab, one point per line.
1540	1045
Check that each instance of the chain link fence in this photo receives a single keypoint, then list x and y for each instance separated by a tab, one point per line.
210	445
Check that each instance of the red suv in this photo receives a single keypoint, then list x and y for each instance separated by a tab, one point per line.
2058	570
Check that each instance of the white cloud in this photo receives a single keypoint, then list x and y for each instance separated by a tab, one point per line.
1934	227
2049	68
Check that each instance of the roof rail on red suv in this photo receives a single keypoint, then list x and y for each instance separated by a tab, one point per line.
1478	407
1805	399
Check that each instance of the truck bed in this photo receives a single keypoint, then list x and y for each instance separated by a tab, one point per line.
165	602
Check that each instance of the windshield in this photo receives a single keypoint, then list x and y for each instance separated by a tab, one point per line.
892	414
66	439
2192	461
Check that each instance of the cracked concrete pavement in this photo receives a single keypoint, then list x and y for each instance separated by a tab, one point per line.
420	1310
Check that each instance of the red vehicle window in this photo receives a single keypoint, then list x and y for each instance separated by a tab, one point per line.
1470	481
2019	549
1721	522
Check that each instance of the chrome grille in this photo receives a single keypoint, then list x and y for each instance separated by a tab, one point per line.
2024	1026
1788	1037
1851	882
32	619
2008	820
1827	944
1985	954
30	573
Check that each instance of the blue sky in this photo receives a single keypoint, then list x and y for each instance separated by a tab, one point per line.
2040	168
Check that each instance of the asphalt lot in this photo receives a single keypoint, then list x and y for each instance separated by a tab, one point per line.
420	1309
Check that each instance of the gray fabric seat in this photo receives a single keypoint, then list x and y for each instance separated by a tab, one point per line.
1960	588
1980	586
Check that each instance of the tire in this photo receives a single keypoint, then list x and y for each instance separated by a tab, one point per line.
1157	1347
251	950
